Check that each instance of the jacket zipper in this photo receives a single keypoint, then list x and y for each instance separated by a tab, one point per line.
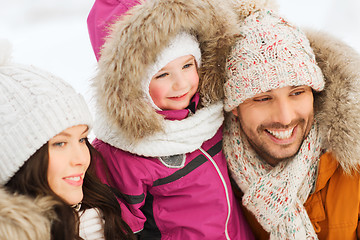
226	189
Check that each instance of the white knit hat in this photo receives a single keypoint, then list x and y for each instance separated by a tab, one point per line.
34	107
271	53
181	45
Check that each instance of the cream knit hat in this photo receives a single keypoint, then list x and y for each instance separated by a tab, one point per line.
34	107
271	53
181	45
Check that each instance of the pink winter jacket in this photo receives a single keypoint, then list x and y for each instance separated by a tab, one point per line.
193	201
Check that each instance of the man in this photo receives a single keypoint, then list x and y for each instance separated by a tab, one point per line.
290	141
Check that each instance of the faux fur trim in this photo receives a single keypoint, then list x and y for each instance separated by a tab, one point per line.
179	136
133	45
338	106
24	218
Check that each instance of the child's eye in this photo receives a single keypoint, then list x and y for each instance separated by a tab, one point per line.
162	75
187	65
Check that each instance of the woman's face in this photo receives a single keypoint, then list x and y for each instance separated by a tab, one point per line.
69	158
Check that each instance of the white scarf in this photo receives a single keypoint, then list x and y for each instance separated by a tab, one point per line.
179	137
275	195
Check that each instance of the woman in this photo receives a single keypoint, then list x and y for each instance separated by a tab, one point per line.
45	152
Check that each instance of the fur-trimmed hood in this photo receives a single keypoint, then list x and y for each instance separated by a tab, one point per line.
337	107
133	45
24	218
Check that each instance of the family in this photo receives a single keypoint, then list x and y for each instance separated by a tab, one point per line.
214	120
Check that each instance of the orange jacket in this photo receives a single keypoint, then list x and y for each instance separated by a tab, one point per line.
334	206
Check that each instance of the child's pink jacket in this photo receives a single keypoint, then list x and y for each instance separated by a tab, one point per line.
193	201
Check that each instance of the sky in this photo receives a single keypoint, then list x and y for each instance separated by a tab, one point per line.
52	34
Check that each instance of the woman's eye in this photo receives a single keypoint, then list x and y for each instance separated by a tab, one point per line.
59	144
83	140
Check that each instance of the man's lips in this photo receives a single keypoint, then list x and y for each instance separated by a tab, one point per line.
286	136
281	134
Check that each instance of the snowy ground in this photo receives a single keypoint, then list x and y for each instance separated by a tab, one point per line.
52	34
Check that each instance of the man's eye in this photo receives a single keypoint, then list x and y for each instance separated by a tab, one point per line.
297	93
263	99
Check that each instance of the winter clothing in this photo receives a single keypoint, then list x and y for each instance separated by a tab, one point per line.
275	195
118	84
35	106
91	225
329	220
24	218
288	192
168	163
271	53
170	197
102	15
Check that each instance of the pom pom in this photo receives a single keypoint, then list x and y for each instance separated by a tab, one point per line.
246	7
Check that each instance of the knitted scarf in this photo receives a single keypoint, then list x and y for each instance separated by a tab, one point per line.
179	136
275	195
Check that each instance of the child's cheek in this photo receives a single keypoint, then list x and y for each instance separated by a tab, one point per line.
157	92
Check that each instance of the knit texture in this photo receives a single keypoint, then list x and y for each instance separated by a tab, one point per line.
179	137
271	53
275	195
91	225
35	106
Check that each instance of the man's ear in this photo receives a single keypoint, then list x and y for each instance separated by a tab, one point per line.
235	111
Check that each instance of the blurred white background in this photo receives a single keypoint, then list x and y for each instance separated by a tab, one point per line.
52	34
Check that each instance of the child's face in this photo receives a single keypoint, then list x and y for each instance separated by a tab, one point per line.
174	85
69	158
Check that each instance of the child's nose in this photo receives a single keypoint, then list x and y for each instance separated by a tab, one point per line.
179	81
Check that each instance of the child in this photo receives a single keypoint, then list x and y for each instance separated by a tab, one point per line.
159	124
45	152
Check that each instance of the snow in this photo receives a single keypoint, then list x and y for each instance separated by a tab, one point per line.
52	34
338	17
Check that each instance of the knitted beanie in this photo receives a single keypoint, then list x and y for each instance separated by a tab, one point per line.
34	107
181	45
102	15
271	53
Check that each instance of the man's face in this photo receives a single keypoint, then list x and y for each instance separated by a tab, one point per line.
277	122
